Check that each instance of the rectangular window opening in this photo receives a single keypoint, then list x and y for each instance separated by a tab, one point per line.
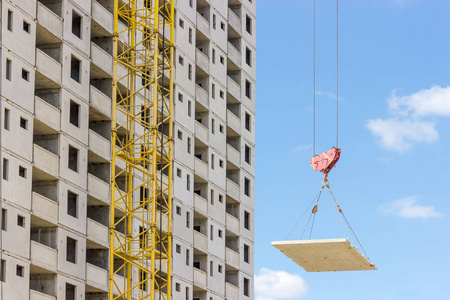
246	220
22	172
74	114
25	75
73	158
248	120
23	123
19	270
247	154
248	56
248	89
3	270
70	291
71	250
75	69
8	69
76	24
188	258
72	204
246	253
246	287
10	20
6	119
248	24
247	187
5	169
4	219
26	27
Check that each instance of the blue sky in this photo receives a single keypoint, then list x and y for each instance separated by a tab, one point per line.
392	179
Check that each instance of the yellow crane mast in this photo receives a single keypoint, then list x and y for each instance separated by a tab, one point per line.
141	169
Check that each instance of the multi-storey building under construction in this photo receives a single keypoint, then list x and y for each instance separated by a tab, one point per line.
127	146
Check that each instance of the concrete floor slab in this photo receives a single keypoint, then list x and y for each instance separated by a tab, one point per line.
325	255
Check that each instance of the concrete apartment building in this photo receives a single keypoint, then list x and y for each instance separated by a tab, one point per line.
55	149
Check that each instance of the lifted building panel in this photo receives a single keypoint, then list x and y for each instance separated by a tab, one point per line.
325	255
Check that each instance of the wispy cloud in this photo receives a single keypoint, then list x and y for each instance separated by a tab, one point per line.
272	285
412	118
328	94
409	208
300	148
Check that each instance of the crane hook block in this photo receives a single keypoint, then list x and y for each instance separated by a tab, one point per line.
325	162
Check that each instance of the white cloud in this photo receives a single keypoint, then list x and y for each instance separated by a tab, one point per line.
272	285
328	94
408	208
401	135
412	121
431	102
300	148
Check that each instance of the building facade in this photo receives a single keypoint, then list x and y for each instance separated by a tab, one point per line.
55	149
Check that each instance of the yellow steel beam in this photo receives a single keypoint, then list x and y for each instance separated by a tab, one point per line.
142	138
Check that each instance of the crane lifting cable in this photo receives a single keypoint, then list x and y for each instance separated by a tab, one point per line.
321	255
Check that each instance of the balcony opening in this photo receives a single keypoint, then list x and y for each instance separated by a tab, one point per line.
75	69
72	204
76	24
43	283
71	250
99	214
98	258
44	235
73	159
233	209
74	117
70	291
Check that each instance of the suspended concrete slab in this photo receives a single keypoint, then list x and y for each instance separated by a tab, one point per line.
326	255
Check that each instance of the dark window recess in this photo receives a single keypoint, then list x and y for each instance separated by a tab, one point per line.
22	172
190	72
5	169
177	287
23	123
190	35
19	270
246	220
25	75
10	20
70	291
246	287
73	158
248	120
8	69
247	154
246	253
197	264
4	219
72	204
74	113
71	250
188	257
76	24
248	89
75	68
26	27
143	280
6	119
248	57
248	24
247	187
3	270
